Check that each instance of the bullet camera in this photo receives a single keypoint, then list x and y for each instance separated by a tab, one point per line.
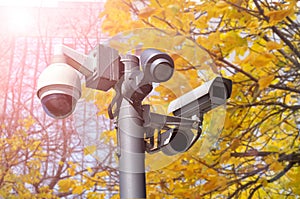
188	111
59	89
178	140
157	66
202	99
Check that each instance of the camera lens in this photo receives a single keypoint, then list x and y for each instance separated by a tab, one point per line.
58	105
157	66
161	70
180	142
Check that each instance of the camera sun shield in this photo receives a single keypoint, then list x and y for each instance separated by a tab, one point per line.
202	99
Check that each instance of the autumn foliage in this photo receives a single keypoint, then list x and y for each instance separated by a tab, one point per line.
256	154
256	44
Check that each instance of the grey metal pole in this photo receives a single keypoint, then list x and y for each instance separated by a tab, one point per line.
131	141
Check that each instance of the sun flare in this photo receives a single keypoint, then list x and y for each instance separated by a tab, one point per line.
19	20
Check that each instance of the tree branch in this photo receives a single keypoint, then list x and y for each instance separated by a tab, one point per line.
279	175
277	31
244	186
274	103
292	158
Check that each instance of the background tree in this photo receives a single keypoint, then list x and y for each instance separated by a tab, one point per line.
255	43
41	157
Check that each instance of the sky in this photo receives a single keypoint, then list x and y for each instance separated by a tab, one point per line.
43	3
19	20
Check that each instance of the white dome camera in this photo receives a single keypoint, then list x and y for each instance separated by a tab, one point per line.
59	89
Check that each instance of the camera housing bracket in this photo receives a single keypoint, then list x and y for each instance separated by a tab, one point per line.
169	124
101	67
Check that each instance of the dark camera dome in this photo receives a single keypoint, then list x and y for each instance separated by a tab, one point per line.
180	142
58	105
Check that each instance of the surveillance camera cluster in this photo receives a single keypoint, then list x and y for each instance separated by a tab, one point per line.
59	88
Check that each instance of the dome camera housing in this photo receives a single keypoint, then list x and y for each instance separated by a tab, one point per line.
59	89
180	141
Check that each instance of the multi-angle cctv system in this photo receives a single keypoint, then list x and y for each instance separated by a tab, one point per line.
59	89
139	130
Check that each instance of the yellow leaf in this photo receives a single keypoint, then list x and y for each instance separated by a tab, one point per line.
108	136
95	195
89	149
172	10
213	39
215	183
89	169
71	171
287	99
212	172
271	45
276	166
28	122
278	15
201	23
225	157
228	124
238	2
260	60
221	4
264	182
178	22
65	185
232	40
147	12
102	174
77	190
265	81
235	144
